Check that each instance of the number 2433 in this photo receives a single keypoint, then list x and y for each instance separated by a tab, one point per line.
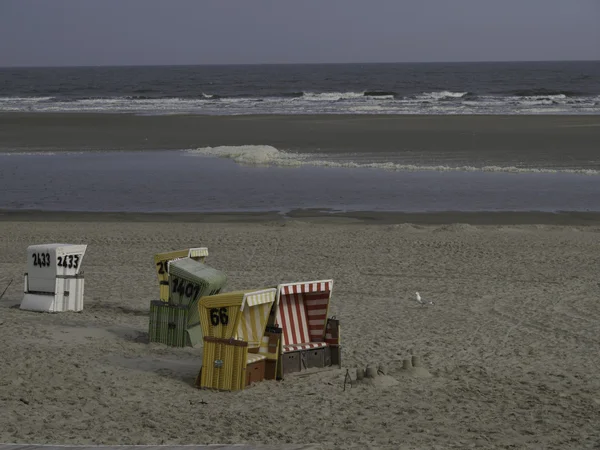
69	261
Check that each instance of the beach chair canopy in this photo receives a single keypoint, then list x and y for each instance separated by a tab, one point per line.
301	312
240	315
161	262
189	280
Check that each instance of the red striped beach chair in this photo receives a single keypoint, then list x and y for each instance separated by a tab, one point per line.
308	338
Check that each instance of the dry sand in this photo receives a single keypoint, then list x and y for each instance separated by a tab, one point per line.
512	341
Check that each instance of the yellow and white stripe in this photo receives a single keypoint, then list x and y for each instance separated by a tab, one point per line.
255	311
198	253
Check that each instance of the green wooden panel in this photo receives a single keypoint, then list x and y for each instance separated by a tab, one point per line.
189	280
177	322
168	324
194	335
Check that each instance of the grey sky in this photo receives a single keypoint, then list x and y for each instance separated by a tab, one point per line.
131	32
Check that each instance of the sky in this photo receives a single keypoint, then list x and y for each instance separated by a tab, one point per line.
153	32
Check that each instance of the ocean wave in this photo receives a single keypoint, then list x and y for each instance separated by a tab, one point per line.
266	155
379	94
367	102
25	99
441	95
331	96
20	153
543	92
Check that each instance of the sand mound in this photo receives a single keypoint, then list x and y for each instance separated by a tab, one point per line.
457	227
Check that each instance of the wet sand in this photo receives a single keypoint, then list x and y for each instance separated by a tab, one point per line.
537	141
511	342
572	218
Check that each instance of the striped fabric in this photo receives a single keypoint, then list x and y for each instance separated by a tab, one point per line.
305	288
194	253
254	357
255	310
302	314
292	319
316	311
198	252
252	323
330	340
265	350
259	297
308	346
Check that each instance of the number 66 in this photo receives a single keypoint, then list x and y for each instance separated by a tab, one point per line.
219	316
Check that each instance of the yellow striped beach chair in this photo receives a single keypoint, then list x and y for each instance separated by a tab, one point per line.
237	351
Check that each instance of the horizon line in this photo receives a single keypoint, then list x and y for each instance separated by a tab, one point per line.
72	66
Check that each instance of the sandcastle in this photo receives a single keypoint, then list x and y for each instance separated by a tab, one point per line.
379	376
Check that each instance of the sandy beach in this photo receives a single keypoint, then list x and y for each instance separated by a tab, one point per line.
511	342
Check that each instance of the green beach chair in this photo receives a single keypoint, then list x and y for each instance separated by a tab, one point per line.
177	323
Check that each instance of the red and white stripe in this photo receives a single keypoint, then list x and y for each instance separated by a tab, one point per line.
292	319
306	288
308	346
302	314
316	311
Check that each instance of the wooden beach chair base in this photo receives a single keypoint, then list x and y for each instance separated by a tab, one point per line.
168	325
255	368
223	364
300	357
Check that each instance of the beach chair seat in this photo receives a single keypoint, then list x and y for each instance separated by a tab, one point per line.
306	346
301	312
237	349
254	358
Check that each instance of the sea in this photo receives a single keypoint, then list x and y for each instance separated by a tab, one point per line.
253	177
424	88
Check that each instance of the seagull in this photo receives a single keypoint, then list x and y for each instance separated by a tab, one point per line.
421	301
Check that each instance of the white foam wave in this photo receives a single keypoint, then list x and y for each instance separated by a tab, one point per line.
23	100
315	103
40	153
331	96
266	155
251	155
441	95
